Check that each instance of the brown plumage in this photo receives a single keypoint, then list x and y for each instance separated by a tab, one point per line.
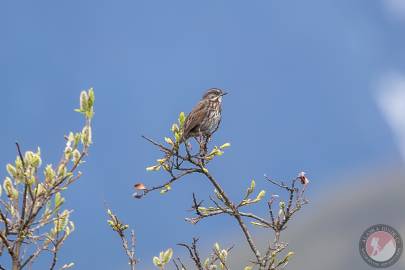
205	117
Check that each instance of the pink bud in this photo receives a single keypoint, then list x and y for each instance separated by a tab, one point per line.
304	180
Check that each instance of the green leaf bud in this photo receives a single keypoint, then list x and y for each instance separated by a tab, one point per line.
68	152
166	167
175	128
67	266
36	159
77	139
182	119
28	157
161	160
8	186
225	145
70	138
61	221
216	247
62	170
76	156
39	190
83	101
206	262
18	163
59	200
31	180
49	174
91	98
261	195
177	136
286	259
165	189
157	262
219	196
169	141
258	224
224	254
86	136
12	171
154	168
251	188
72	226
167	256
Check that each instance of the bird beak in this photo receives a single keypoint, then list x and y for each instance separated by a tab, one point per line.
225	93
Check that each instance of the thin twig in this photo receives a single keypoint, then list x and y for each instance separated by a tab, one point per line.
25	184
236	214
173	179
193	251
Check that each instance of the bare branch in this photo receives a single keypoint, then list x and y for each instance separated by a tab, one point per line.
193	251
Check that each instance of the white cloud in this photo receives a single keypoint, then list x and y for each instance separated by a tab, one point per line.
391	100
396	8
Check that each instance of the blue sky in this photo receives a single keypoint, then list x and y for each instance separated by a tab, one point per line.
301	77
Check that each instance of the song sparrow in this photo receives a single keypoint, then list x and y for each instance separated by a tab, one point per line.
205	117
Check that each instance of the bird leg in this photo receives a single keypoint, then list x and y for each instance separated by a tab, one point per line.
204	145
202	141
188	147
207	140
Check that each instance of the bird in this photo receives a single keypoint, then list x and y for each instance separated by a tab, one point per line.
205	118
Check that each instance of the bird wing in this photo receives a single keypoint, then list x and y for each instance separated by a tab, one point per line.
194	119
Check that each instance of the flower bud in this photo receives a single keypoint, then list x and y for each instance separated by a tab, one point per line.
18	163
224	254
28	157
39	189
86	136
177	136
62	170
175	128
59	200
36	159
68	152
49	175
76	156
167	256
169	141
182	119
251	188
91	98
11	170
157	262
225	145
260	195
83	101
153	168
11	192
304	180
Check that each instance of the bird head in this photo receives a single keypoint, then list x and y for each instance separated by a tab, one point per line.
214	94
